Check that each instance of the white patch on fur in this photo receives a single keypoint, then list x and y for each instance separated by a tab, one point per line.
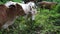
27	7
7	4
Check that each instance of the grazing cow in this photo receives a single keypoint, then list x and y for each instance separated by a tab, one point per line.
47	5
12	10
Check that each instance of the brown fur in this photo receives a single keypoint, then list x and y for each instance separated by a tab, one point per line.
20	10
47	5
7	14
3	15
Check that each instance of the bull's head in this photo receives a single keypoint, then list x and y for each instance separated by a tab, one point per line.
32	5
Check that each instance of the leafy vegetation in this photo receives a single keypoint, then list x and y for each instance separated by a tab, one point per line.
47	22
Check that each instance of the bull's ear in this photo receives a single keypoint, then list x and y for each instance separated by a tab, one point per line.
18	6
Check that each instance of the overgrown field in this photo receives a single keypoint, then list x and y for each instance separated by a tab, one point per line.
46	22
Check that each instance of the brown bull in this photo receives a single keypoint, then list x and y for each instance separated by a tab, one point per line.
10	11
47	5
8	15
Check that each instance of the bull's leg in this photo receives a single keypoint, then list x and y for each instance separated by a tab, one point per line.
33	15
5	26
8	23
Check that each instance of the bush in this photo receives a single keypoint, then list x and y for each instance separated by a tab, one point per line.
58	8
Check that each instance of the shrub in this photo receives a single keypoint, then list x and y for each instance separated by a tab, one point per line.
58	8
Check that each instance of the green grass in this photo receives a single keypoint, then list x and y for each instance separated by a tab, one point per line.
46	22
